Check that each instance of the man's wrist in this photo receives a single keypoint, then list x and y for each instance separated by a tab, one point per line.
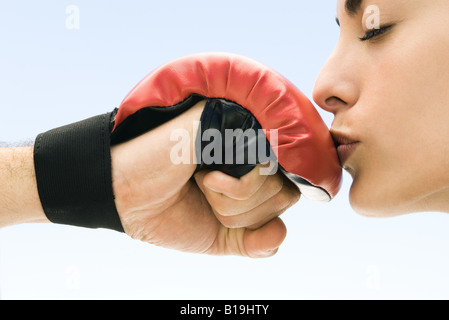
19	198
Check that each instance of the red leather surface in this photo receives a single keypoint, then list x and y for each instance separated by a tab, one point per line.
305	147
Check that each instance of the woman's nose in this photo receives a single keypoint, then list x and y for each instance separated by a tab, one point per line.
337	85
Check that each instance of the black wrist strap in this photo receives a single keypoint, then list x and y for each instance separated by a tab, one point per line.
74	175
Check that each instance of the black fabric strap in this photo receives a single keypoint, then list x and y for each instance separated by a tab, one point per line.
74	175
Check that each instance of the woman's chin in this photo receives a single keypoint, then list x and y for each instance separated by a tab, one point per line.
376	201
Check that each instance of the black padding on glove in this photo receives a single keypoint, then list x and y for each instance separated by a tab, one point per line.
235	133
147	119
74	175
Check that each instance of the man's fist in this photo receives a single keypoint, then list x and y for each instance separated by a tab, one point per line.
159	202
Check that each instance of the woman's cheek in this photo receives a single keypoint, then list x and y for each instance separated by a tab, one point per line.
385	163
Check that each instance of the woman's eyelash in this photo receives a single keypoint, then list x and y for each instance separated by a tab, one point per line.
375	33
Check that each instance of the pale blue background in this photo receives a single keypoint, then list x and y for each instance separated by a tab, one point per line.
50	76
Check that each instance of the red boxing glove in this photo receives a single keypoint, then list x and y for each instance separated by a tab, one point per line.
304	150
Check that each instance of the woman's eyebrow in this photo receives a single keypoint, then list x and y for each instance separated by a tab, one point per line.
353	6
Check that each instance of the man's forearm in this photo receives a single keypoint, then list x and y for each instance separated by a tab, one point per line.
19	198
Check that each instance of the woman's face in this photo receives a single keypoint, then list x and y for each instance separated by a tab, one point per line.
390	93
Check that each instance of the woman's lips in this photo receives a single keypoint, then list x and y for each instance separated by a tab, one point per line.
345	151
345	146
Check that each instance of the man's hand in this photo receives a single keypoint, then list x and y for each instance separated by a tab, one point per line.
159	202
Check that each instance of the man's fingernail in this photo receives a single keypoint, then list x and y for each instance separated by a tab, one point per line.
210	188
269	253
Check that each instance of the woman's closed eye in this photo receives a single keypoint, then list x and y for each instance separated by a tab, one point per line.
375	33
